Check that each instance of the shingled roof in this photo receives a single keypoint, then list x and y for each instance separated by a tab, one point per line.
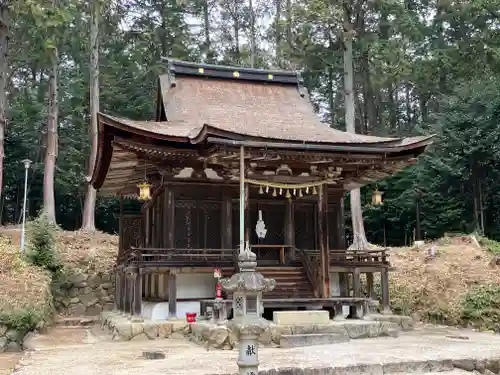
247	102
209	104
196	101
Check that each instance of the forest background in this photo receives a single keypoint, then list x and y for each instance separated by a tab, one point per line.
420	67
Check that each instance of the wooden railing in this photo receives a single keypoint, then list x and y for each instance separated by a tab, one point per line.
311	267
159	257
360	258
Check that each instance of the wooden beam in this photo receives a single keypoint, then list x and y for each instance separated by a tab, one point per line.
137	290
117	290
384	280
289	225
247	214
227	221
172	295
120	228
323	241
158	219
170	220
165	217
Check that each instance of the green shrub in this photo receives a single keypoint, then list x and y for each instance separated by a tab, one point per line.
481	307
41	250
26	319
490	245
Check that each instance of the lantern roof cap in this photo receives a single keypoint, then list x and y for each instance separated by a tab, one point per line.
247	280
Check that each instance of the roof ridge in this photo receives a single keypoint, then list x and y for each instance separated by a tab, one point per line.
187	68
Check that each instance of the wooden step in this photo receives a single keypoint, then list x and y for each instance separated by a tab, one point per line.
291	282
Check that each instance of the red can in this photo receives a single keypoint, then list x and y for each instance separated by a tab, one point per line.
191	317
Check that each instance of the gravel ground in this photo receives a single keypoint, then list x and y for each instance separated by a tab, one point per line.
89	351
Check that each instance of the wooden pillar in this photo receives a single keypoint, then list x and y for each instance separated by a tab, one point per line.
172	295
117	289
165	217
123	290
247	214
147	227
289	227
158	224
162	287
384	280
227	221
356	282
170	212
137	292
369	285
126	302
323	241
120	228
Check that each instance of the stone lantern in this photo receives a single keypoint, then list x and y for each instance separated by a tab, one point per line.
247	323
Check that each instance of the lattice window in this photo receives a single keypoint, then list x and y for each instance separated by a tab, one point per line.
305	226
239	305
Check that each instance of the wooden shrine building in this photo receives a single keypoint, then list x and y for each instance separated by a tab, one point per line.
185	166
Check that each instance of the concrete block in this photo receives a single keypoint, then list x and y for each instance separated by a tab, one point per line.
310	339
313	317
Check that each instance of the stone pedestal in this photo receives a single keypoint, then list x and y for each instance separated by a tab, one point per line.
247	325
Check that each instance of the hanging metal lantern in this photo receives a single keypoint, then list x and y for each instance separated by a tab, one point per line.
144	191
377	198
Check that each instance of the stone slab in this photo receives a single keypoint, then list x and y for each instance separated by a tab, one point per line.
426	350
306	317
294	341
405	322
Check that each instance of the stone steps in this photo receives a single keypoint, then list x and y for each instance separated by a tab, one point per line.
310	339
76	321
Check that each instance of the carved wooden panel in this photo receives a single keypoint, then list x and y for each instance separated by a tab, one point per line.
185	225
131	232
197	224
305	226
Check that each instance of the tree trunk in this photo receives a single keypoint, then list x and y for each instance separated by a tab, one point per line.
206	30
278	34
88	219
253	41
51	150
359	238
4	45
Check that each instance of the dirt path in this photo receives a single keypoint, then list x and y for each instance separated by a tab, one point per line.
89	351
8	362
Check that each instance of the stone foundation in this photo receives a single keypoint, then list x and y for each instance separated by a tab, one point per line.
406	323
126	328
84	294
220	337
12	340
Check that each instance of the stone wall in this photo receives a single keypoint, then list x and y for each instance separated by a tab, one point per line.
125	327
12	340
82	293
